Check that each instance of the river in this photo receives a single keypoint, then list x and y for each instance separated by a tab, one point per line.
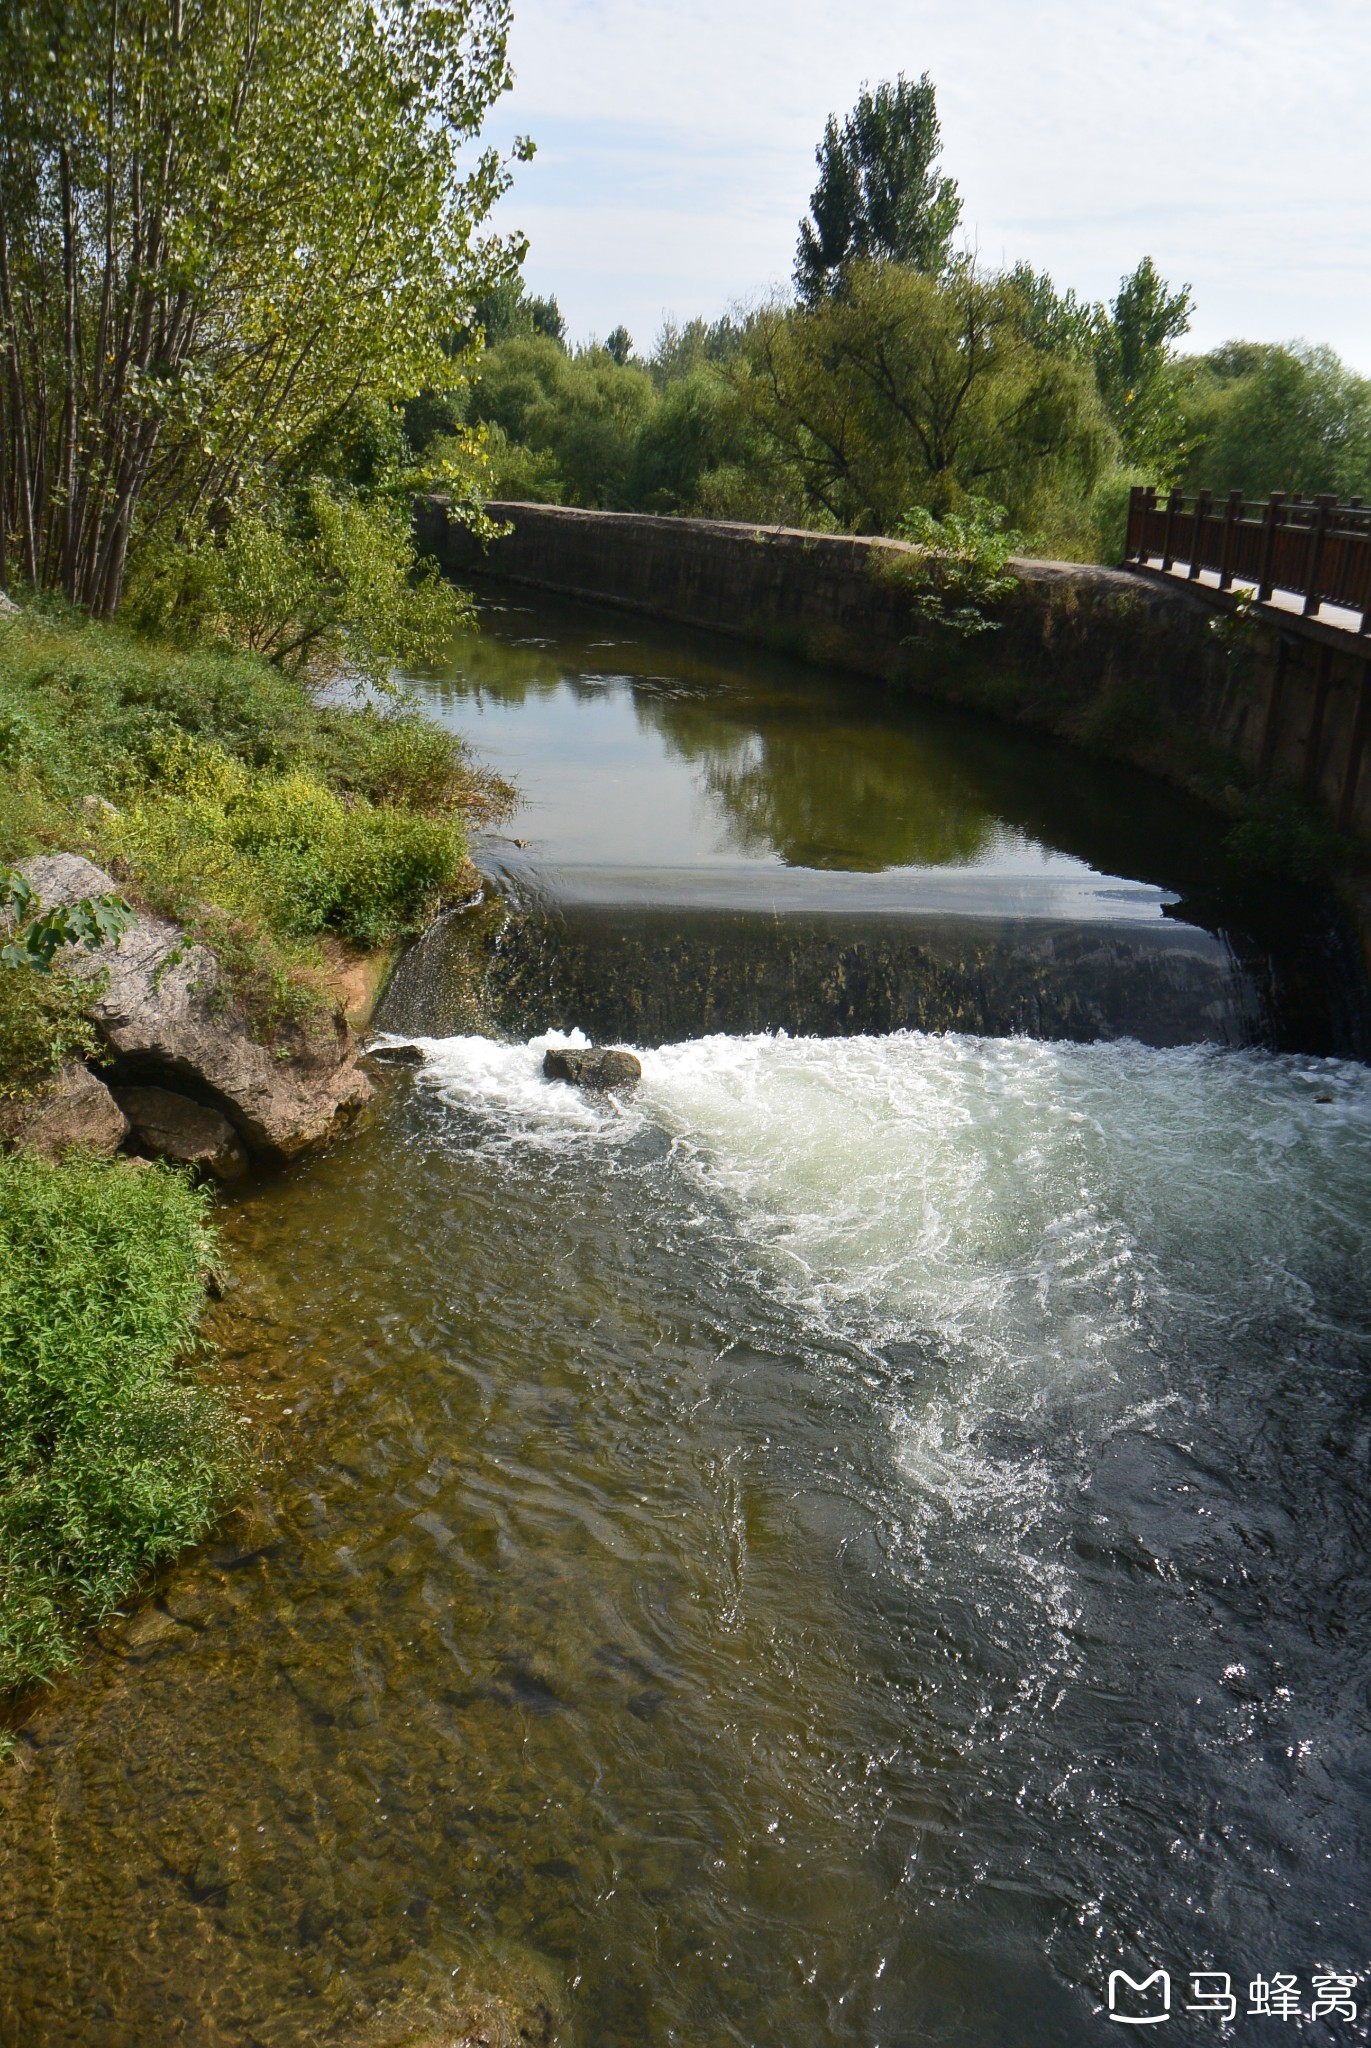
847	1544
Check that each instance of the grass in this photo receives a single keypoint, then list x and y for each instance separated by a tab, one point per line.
42	1023
285	831
115	1452
225	795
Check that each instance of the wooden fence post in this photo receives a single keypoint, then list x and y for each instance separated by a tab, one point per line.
1313	560
1232	520
1202	505
1174	502
1133	546
1275	515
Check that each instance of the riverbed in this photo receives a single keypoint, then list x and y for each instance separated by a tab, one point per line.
849	1543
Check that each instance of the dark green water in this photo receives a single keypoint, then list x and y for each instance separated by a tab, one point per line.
847	1546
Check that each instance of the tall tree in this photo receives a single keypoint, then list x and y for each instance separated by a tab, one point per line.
1139	377
1130	345
220	223
880	195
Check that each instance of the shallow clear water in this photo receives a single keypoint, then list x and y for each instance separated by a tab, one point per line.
846	1545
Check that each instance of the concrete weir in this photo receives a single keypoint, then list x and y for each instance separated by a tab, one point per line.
1133	665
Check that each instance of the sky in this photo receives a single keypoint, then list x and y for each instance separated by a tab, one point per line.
675	148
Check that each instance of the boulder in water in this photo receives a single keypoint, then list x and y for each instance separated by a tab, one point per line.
395	1055
598	1067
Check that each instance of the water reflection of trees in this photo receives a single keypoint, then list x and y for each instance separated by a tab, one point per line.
787	775
822	793
484	668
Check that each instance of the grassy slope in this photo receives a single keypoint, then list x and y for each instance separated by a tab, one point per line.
289	835
221	793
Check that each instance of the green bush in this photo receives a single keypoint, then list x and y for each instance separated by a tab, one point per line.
961	569
402	759
42	1023
284	849
320	580
114	1454
1285	838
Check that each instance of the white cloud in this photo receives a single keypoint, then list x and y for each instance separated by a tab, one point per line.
676	146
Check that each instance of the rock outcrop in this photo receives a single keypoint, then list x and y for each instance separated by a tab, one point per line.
597	1067
75	1112
159	1002
173	1127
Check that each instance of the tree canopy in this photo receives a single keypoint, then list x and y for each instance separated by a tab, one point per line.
1266	418
1130	345
910	390
880	194
220	226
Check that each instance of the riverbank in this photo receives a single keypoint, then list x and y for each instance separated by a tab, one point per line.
273	850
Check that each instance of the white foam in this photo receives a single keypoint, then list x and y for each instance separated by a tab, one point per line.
1019	1234
1010	1195
505	1087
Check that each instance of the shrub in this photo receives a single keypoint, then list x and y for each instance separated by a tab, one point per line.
404	760
284	849
1284	838
961	569
322	580
114	1454
42	1023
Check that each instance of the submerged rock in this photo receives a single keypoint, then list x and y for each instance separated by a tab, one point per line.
525	2021
74	1112
596	1066
174	1127
159	1002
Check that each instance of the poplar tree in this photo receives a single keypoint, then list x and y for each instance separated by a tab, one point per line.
880	196
221	223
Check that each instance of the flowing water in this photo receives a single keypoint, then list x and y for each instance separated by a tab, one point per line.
847	1544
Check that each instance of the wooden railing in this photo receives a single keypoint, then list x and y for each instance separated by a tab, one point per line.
1314	548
